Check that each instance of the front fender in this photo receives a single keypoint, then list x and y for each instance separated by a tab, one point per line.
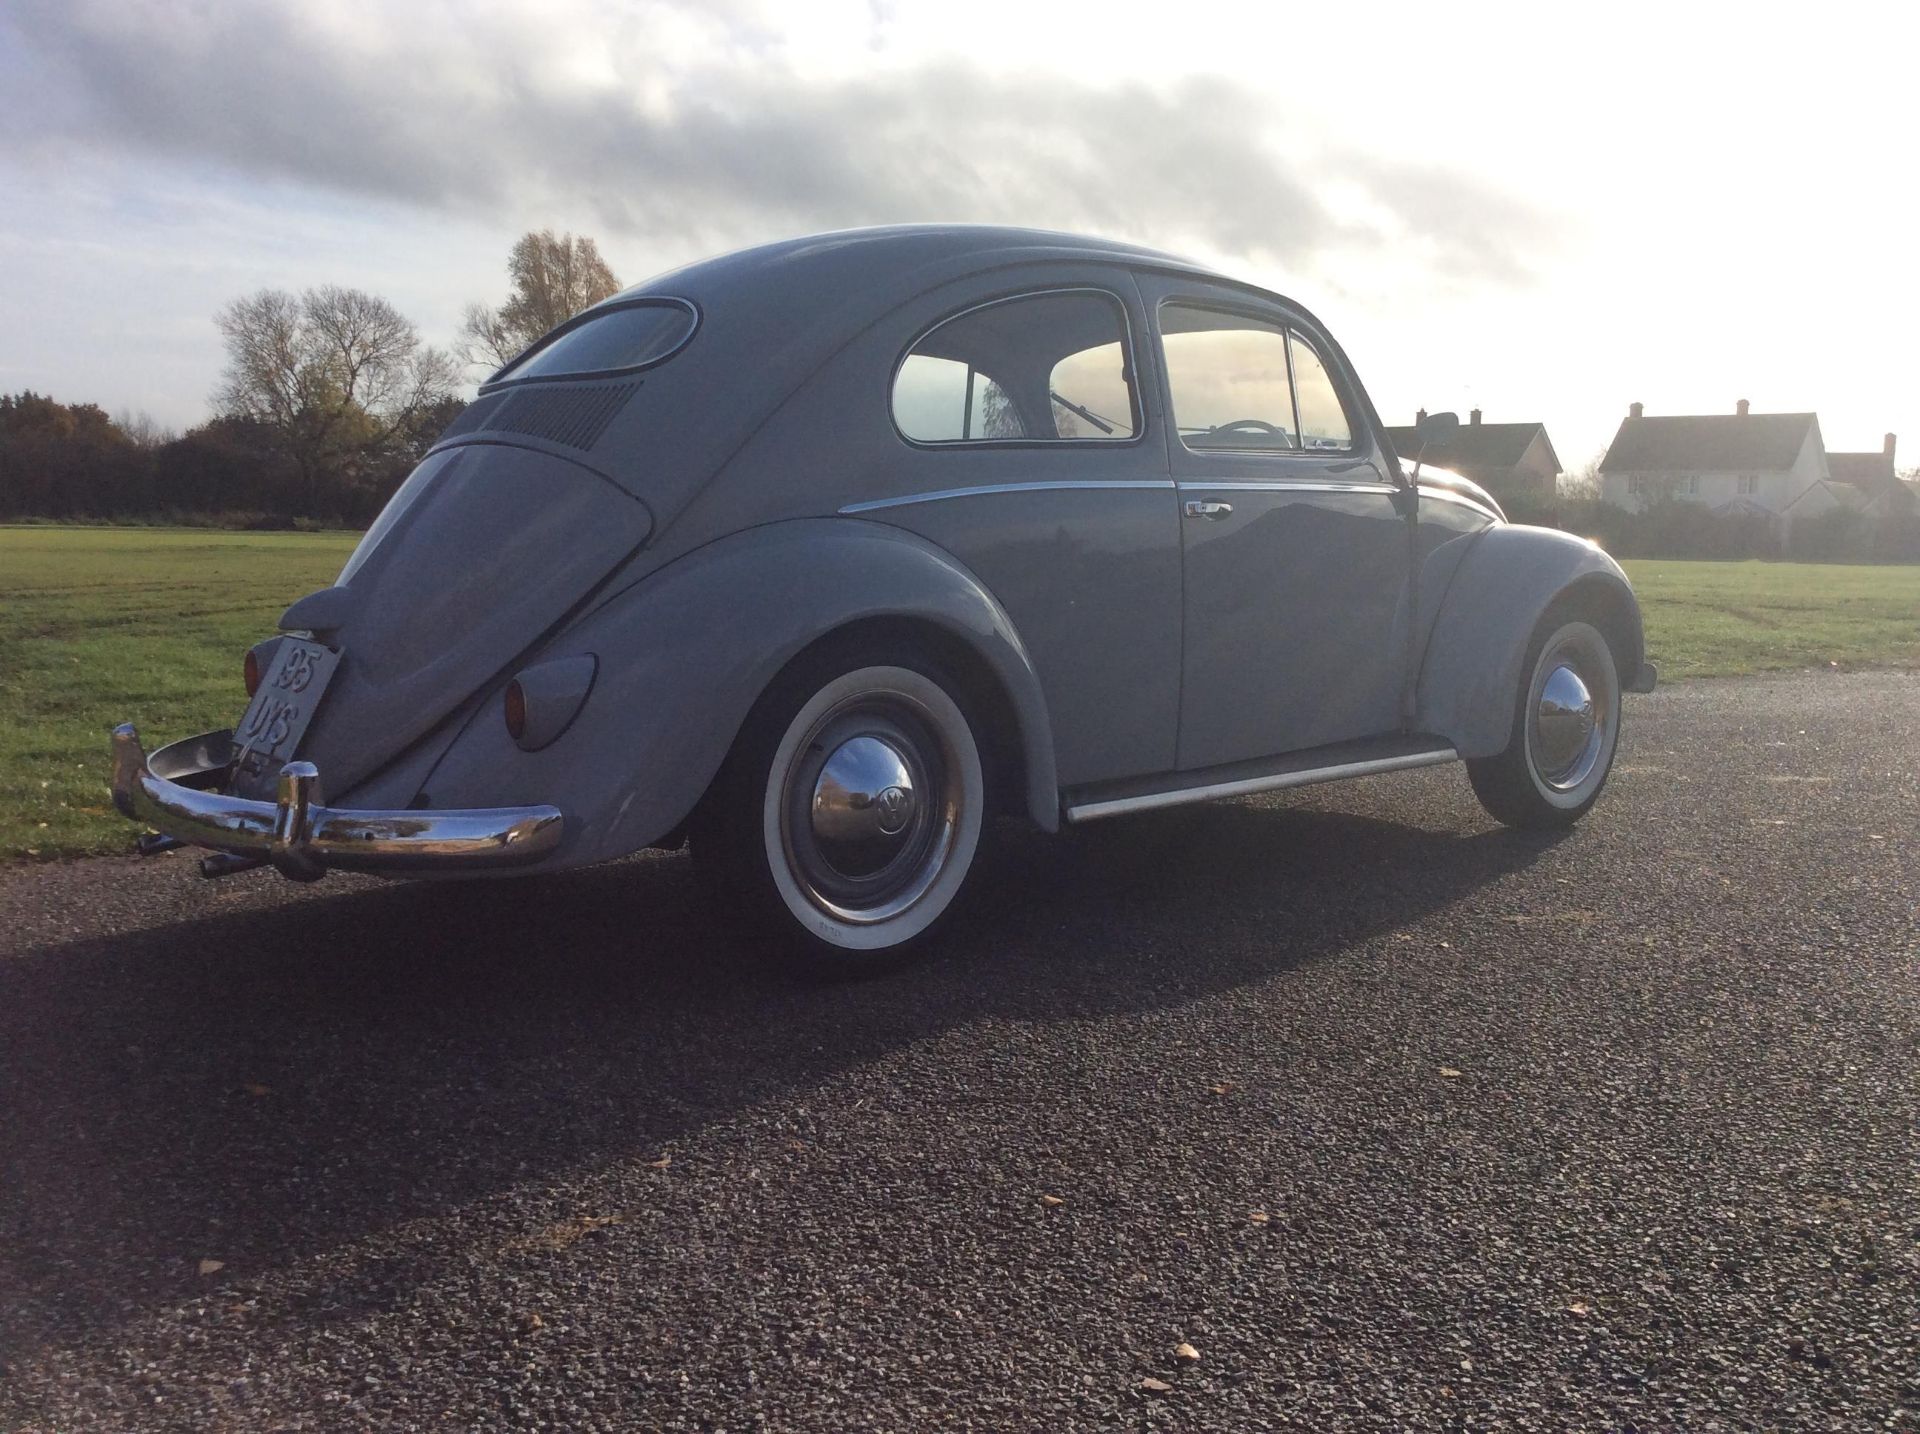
1505	582
684	654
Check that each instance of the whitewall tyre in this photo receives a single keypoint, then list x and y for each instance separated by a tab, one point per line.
1566	726
851	810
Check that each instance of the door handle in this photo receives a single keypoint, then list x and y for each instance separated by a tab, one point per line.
1198	509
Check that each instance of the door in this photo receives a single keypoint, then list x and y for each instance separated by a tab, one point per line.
1295	554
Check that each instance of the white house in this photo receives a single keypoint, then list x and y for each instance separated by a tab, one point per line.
1728	461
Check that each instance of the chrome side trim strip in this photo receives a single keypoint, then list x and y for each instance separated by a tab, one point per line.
1306	777
1288	485
985	489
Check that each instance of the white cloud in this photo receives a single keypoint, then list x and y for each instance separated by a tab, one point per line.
1542	211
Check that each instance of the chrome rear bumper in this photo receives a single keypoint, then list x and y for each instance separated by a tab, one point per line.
170	791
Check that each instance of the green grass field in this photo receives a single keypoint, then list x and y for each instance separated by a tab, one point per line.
105	625
1724	619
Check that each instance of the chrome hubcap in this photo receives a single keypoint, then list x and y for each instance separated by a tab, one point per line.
867	816
1564	722
1571	711
864	803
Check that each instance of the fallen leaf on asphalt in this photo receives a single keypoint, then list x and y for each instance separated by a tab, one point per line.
212	1267
1222	1088
1186	1354
662	1163
529	1322
1578	1307
1259	1217
1051	1200
1156	1386
1449	1073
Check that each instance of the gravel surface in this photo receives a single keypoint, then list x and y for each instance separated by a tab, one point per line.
1392	1119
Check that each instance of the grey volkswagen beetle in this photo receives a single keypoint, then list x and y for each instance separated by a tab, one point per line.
817	554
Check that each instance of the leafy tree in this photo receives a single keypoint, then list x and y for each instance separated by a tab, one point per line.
333	373
554	277
67	460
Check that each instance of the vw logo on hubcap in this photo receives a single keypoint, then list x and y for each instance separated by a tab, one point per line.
895	806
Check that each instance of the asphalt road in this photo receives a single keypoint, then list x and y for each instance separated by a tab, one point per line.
1398	1120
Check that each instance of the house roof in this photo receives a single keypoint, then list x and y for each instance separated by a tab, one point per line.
1709	443
1842	494
1479	445
1871	471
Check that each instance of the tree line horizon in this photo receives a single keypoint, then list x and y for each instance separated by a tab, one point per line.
327	400
330	397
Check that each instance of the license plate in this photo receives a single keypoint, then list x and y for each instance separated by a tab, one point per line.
270	732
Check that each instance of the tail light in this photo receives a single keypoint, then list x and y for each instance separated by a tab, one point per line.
251	670
516	710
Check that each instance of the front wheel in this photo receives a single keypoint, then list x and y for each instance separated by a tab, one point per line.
848	815
1565	728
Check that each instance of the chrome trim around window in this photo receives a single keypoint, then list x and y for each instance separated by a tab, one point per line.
1273	782
986	489
1132	369
299	836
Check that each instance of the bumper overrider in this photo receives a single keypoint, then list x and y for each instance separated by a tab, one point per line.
175	791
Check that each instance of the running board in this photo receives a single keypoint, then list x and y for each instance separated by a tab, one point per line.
1238	779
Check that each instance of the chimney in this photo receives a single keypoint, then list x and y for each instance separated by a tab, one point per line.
1636	410
1474	418
1419	418
1740	408
1887	448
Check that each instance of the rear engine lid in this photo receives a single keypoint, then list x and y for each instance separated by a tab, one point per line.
480	553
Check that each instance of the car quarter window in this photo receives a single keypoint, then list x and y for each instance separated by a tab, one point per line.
1043	367
1323	419
1248	384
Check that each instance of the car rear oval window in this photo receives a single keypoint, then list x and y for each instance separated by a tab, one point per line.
613	341
1042	368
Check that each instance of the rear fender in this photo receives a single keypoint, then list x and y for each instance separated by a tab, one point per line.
1504	584
684	654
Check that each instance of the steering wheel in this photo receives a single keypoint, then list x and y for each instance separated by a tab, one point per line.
1249	425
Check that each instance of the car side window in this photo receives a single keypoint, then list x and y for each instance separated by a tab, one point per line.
1044	367
1227	375
1249	384
1323	419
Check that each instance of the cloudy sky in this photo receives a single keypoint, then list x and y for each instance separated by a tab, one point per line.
1546	211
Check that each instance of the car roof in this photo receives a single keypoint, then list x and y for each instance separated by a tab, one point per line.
902	251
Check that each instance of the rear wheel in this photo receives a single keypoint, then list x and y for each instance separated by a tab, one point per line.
849	812
1565	728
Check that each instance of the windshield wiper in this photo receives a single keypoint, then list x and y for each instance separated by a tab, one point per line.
1091	417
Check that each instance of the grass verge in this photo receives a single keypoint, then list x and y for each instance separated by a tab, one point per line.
148	625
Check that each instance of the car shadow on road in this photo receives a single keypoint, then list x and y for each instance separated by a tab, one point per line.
281	1080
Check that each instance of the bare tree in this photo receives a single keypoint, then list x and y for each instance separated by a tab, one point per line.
554	277
143	430
334	373
1582	486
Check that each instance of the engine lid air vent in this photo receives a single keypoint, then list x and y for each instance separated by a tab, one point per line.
574	416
